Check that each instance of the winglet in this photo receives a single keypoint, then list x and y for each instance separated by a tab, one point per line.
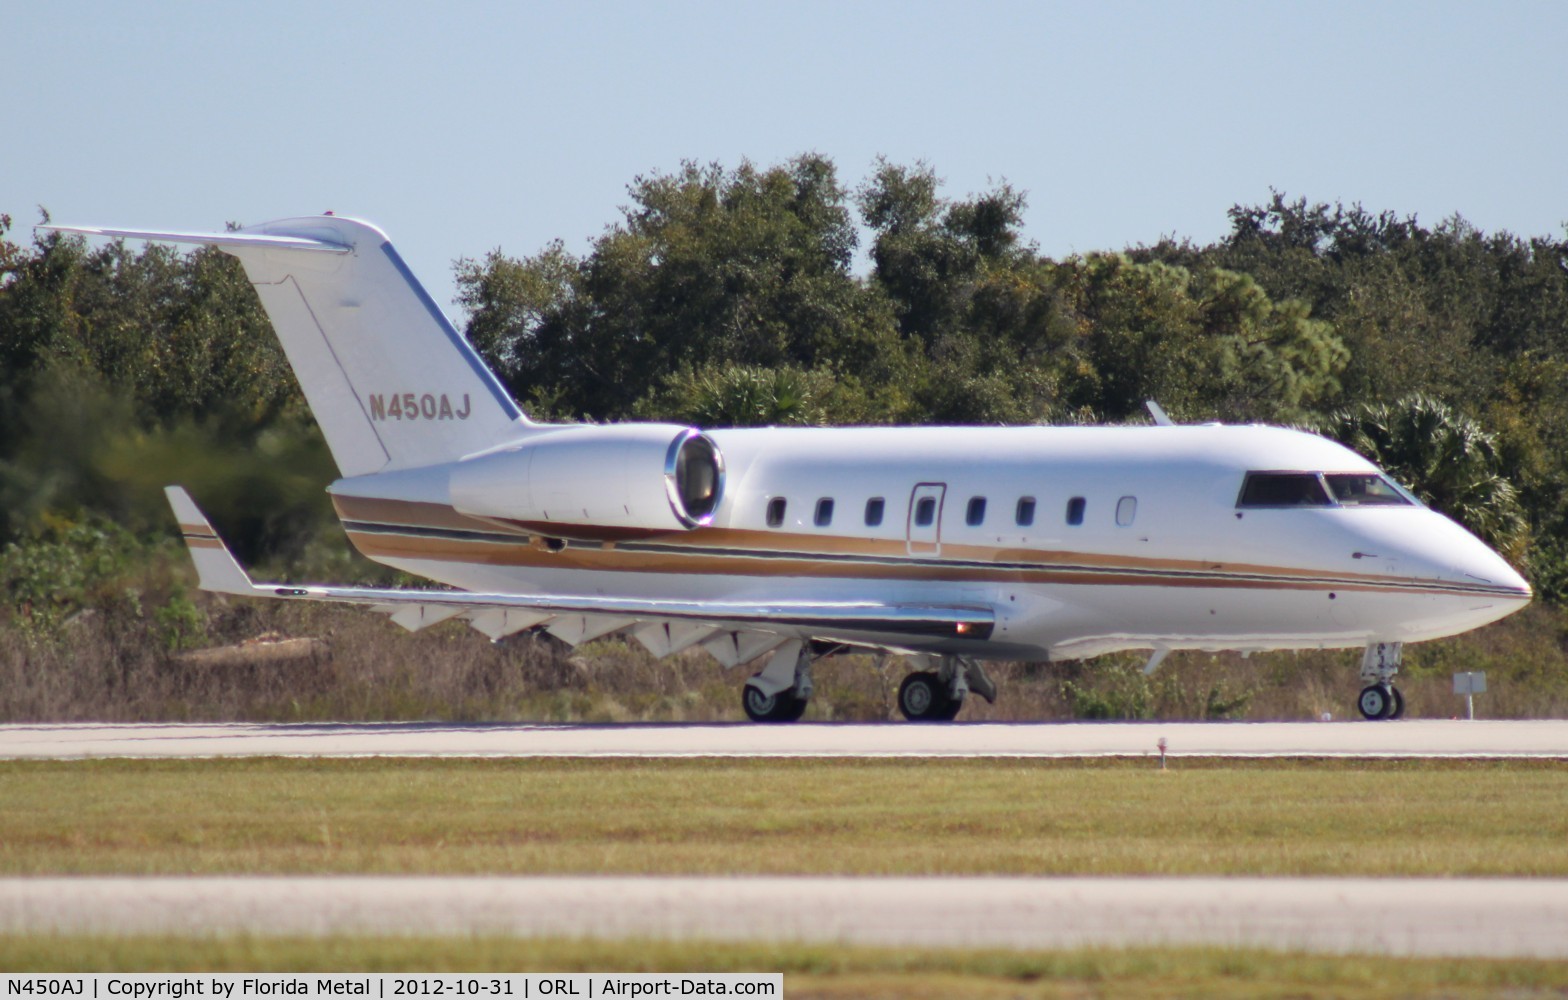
216	568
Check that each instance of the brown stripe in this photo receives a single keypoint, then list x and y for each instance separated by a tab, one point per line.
618	560
802	546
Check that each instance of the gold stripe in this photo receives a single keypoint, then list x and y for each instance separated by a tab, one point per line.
618	560
1064	565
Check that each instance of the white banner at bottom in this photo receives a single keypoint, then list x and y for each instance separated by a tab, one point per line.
387	986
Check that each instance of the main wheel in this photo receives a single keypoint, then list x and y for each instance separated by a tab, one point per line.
780	707
950	707
1377	701
1399	703
923	698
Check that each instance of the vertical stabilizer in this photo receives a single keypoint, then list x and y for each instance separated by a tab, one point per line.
391	382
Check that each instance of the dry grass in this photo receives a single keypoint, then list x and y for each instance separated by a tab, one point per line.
879	817
821	971
116	664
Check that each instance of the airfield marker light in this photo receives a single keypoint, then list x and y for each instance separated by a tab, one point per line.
1162	753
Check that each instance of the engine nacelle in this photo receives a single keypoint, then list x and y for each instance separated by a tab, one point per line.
653	477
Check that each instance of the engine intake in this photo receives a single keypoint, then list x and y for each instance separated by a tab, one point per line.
650	477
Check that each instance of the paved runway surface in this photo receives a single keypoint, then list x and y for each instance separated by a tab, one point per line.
1459	917
1258	739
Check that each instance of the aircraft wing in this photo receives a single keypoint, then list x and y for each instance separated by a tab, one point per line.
728	629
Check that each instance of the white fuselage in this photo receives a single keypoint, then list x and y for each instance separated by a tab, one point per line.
1161	555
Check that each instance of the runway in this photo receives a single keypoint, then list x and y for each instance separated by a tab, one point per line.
1415	738
1451	917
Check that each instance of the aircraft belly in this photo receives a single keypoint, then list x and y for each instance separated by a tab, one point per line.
1036	621
1092	621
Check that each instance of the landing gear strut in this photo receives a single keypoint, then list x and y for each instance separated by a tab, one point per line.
937	695
1380	699
781	692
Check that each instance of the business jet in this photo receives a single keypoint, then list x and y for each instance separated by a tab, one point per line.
951	546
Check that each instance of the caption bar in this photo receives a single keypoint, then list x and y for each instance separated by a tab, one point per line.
381	986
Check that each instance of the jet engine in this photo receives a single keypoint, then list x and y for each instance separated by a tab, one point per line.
648	477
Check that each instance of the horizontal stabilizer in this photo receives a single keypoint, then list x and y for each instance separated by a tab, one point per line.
257	240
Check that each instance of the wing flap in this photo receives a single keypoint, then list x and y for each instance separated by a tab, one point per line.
417	616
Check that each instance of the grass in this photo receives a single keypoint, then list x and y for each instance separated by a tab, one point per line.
121	662
825	971
904	817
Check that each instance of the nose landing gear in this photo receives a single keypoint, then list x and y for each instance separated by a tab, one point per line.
1380	699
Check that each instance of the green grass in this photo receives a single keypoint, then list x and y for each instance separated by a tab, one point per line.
822	970
903	817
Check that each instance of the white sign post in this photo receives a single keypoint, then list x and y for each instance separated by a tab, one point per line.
1470	683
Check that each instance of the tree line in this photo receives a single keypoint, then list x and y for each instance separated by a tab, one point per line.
780	295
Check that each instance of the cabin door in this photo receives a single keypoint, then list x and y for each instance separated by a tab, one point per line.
924	526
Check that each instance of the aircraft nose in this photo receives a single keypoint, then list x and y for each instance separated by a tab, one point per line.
1446	551
1487	567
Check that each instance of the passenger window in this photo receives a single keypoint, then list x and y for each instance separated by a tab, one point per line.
1075	508
824	512
975	515
776	512
874	508
1126	510
1025	513
925	512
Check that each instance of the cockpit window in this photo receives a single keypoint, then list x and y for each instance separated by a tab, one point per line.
1315	489
1283	489
1355	489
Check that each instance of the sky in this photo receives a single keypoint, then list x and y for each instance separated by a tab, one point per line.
462	127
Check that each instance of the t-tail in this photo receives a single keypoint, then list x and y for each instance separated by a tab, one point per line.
391	382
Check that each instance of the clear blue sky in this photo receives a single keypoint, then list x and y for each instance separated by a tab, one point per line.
459	127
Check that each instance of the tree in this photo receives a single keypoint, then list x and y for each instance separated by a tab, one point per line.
1446	458
708	266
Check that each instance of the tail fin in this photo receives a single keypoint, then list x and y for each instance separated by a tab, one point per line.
391	382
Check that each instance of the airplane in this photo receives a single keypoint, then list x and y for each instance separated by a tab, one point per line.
951	546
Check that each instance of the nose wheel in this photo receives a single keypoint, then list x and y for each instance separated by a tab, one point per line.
1381	701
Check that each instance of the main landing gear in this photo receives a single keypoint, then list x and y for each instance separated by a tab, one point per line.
781	707
1380	699
782	690
937	695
